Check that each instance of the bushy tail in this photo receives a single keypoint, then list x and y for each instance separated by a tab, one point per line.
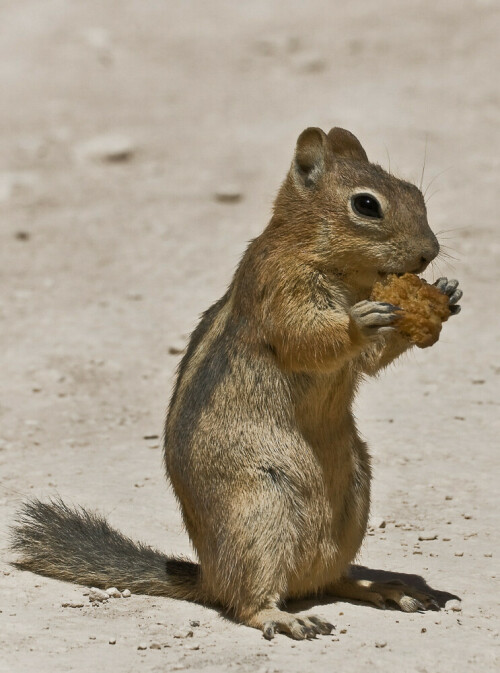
77	546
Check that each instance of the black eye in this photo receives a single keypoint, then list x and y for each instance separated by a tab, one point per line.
366	205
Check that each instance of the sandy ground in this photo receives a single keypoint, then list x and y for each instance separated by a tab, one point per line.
105	267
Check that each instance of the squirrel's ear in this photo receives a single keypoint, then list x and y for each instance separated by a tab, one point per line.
309	160
344	144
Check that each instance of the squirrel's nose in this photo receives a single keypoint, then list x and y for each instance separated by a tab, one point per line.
429	253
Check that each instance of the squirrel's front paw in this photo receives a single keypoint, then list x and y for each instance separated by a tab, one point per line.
374	317
450	288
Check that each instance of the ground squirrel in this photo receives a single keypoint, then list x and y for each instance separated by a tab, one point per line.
261	446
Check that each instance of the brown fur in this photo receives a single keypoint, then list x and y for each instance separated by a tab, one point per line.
261	446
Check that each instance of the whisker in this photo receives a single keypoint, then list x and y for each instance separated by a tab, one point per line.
446	231
446	248
428	198
445	170
388	159
423	167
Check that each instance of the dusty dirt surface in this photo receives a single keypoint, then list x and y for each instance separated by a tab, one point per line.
106	264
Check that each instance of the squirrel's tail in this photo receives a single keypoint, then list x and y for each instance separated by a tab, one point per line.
77	546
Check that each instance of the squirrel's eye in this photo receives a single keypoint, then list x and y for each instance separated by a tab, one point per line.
366	205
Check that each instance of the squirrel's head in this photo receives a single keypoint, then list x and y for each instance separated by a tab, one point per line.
353	217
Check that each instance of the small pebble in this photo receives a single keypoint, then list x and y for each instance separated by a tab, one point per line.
380	643
454	605
126	593
427	536
343	631
106	148
194	646
183	634
176	350
142	646
423	630
378	523
113	592
155	646
228	194
459	553
97	595
194	623
309	62
112	641
488	555
72	605
22	235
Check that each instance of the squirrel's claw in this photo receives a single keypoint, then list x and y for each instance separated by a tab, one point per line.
450	288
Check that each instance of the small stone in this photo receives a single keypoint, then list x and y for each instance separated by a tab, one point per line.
186	633
72	605
97	595
343	631
459	553
113	592
194	623
309	62
380	643
488	555
378	523
176	350
454	605
446	539
108	148
22	235
142	646
150	436
228	194
425	537
155	646
467	516
194	646
112	641
448	497
423	630
126	593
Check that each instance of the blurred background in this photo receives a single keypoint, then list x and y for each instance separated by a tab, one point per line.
141	145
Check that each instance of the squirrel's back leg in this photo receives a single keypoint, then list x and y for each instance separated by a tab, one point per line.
248	562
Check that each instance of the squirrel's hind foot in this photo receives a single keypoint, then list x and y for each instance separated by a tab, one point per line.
274	620
407	598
